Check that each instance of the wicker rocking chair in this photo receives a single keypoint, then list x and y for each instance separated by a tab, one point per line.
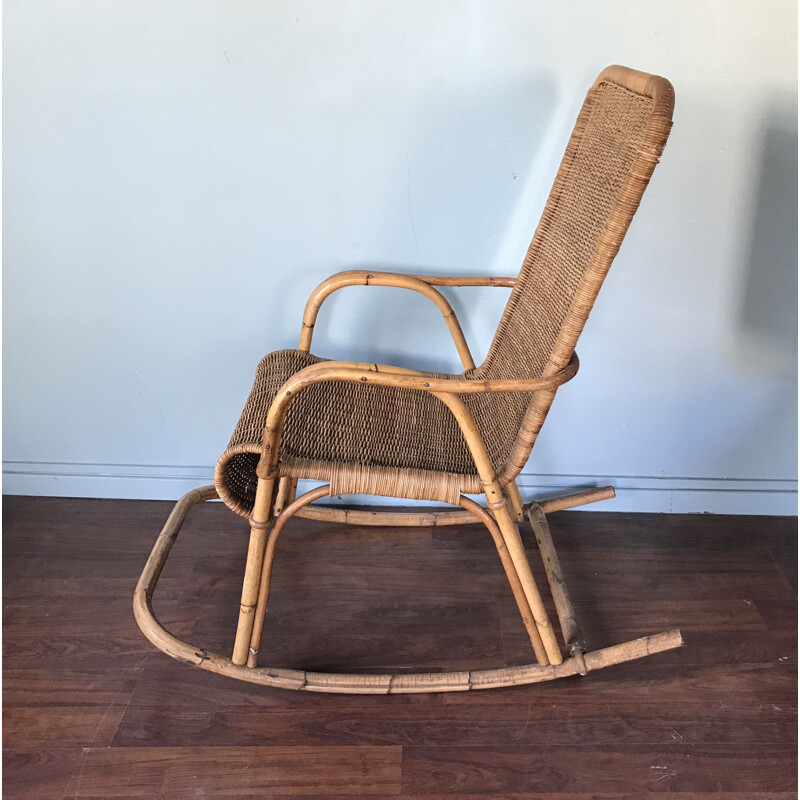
367	428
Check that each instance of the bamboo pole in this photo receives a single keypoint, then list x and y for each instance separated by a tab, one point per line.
252	574
516	500
577	499
510	531
345	515
513	578
266	567
282	496
398	377
467	280
570	630
158	557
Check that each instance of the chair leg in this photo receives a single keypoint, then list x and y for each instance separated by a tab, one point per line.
266	566
513	579
280	521
259	522
510	531
570	630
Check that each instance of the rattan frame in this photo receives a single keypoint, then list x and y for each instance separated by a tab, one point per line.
402	683
276	503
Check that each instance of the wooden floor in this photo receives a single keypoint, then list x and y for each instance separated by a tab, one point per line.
91	710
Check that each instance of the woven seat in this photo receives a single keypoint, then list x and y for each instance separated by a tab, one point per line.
358	438
383	430
371	440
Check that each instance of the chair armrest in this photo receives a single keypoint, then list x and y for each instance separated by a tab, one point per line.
418	283
467	280
401	378
446	389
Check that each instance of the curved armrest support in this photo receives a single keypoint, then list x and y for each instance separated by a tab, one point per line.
366	278
446	389
423	284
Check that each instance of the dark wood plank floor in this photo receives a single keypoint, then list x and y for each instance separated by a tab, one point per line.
91	710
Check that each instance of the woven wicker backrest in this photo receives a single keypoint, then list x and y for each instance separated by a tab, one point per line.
617	140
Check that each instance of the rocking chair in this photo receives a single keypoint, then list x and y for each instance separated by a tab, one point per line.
382	430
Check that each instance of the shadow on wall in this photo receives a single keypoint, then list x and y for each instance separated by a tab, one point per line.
767	320
467	164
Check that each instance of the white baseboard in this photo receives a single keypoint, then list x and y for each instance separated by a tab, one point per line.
634	492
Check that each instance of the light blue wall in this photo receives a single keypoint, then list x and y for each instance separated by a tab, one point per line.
179	175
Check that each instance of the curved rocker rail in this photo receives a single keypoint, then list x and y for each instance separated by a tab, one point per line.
357	683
